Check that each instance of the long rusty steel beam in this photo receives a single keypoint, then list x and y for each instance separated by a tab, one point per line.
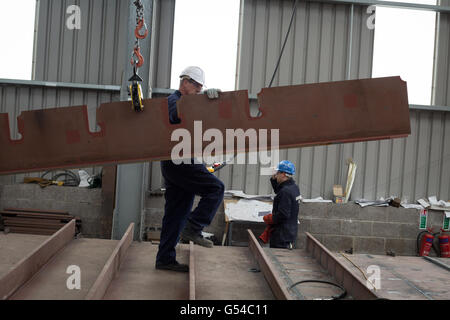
354	286
111	267
276	284
305	115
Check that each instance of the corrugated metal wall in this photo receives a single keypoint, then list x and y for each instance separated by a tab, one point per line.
318	50
439	122
95	54
442	62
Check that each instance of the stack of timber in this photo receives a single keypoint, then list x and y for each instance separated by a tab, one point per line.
33	221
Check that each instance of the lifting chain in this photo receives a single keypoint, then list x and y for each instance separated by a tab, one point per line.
137	60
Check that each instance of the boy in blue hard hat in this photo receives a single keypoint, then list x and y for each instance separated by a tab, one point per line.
282	222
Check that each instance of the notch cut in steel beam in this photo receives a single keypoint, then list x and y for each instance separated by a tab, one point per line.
305	115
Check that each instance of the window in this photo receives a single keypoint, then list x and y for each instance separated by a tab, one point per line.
17	38
206	35
404	46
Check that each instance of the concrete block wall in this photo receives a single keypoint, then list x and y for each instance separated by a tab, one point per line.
374	230
80	202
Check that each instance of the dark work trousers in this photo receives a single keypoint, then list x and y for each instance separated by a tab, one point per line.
183	182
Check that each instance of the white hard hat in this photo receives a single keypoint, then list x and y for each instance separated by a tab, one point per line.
195	73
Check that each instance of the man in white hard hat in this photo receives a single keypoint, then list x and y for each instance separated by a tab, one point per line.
183	182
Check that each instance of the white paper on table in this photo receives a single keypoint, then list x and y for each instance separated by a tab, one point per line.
443	203
241	194
412	206
433	201
318	199
247	210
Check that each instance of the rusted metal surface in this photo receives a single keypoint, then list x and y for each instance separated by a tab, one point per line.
58	278
191	271
441	263
32	263
15	246
229	273
276	284
112	266
296	265
139	280
403	277
312	114
341	273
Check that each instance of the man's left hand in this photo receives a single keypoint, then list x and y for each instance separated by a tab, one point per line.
212	93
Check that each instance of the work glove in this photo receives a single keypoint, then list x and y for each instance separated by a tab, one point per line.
265	236
268	219
212	93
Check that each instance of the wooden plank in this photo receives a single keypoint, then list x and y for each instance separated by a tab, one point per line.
111	267
33	221
34	226
26	228
36	211
32	263
276	284
36	215
32	231
191	271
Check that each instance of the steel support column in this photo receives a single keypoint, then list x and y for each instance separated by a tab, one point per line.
131	181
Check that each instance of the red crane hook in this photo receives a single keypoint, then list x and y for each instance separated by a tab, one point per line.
141	25
138	55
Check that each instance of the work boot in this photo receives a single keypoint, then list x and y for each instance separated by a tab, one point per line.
173	266
189	235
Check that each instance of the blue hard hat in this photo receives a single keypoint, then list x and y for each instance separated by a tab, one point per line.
287	167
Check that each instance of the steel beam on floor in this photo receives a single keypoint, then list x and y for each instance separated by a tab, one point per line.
111	267
343	276
26	268
276	284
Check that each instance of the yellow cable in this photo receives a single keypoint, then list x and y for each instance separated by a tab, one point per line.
364	274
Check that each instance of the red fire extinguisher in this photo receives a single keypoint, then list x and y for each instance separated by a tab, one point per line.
444	245
426	243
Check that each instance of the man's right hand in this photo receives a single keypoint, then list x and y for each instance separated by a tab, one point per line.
212	93
268	218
